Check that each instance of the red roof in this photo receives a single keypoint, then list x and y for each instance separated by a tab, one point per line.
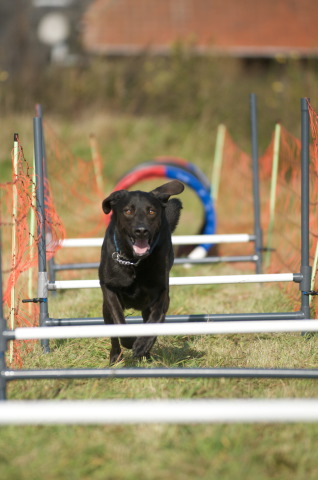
238	27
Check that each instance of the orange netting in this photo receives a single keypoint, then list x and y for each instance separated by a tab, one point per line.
313	219
283	213
235	184
281	222
234	204
76	187
285	237
19	230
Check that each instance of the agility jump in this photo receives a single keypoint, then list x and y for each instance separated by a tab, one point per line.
298	410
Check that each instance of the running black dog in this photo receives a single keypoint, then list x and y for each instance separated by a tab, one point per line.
136	259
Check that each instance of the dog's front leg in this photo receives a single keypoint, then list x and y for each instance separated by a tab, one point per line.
113	314
156	313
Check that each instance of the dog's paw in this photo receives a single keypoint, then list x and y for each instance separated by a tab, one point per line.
115	357
142	347
145	358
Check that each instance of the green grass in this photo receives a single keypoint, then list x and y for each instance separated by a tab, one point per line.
239	451
279	451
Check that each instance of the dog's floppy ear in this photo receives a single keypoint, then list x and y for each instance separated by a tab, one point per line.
165	191
111	200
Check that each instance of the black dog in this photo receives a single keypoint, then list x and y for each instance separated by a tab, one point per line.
136	259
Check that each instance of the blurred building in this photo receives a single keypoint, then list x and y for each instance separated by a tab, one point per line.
242	28
58	27
34	33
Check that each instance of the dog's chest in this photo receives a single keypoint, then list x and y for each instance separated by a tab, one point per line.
136	295
141	291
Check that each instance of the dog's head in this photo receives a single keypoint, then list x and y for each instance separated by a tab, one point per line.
138	215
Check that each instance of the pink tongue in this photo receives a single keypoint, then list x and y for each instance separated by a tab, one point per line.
141	246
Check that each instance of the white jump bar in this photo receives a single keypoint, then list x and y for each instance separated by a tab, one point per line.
176	240
217	238
166	329
200	280
90	412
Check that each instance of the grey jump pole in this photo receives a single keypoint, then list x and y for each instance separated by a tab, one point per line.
305	269
177	261
39	113
164	372
256	191
226	317
40	206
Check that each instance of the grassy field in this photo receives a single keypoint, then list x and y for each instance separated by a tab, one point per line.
279	451
159	451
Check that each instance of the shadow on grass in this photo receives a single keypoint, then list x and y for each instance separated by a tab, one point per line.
163	354
172	355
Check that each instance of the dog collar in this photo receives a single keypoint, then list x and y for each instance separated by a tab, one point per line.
118	257
123	261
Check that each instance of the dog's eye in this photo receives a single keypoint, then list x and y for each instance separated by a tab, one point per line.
152	212
128	211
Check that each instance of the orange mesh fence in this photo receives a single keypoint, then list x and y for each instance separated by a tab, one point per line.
286	232
235	198
21	192
19	232
76	187
282	231
288	151
313	219
284	223
234	204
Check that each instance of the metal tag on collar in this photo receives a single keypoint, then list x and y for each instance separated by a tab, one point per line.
115	256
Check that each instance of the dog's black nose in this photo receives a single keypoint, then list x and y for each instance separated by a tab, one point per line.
141	232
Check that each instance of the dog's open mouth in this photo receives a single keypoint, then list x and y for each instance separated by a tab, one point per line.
140	246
